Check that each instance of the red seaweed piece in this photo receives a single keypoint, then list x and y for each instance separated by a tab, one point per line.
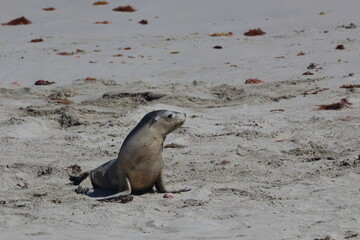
253	81
18	21
90	79
301	53
166	195
65	53
254	32
79	51
144	22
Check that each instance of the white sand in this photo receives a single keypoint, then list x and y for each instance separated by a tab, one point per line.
254	173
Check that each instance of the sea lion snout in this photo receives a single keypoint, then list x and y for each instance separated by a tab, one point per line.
181	116
179	119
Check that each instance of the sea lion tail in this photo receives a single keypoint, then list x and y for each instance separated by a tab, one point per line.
76	180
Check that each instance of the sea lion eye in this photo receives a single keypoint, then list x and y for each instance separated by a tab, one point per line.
169	116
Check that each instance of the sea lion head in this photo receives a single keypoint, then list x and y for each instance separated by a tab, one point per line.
165	121
157	124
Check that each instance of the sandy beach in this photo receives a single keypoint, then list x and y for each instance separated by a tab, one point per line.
270	147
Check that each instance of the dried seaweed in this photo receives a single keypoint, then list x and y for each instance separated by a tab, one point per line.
301	53
144	22
340	47
350	86
90	79
173	145
307	73
127	8
103	22
43	82
254	32
253	81
100	3
36	40
49	9
65	53
336	106
18	21
228	34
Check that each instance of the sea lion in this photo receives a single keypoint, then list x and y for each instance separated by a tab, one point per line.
139	165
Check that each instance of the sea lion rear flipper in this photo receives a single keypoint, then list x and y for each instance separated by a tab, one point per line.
85	187
125	190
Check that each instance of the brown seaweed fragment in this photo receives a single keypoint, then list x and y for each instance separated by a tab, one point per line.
350	86
253	81
254	32
100	3
127	8
144	22
36	40
307	73
103	22
17	21
301	53
228	34
49	9
340	47
43	82
65	53
173	145
336	106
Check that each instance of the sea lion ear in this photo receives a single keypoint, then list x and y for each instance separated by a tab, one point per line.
153	121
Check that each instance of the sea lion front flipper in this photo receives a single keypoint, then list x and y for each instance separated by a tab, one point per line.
181	190
160	186
125	190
